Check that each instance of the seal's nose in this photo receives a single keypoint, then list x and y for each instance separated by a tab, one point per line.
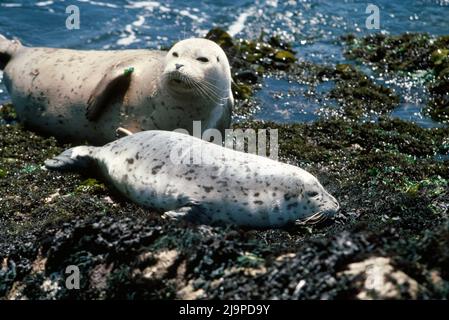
178	66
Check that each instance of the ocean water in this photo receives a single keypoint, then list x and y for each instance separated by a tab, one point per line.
314	27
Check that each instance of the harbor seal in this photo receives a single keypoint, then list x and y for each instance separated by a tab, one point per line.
161	170
82	96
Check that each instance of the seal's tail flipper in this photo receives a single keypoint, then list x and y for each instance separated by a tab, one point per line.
72	159
7	50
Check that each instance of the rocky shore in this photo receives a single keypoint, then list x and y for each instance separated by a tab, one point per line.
391	177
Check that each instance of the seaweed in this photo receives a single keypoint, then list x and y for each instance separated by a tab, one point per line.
409	53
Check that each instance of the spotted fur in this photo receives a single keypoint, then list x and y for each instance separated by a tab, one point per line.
153	169
51	89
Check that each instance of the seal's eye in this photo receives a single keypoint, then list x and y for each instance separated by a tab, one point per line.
218	59
312	194
203	59
175	54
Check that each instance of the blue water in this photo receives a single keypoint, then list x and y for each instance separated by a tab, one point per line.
313	26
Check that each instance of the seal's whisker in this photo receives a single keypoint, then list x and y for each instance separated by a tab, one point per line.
203	91
209	90
212	91
211	85
209	93
313	219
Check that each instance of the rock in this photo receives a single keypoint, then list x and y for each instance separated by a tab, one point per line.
410	53
285	256
381	280
221	37
98	276
165	261
189	292
247	76
285	56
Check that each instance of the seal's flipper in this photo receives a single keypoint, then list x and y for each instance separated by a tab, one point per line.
192	212
122	132
180	213
113	86
71	159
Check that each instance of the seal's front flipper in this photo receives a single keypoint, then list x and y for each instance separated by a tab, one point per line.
71	159
113	86
122	132
192	212
180	213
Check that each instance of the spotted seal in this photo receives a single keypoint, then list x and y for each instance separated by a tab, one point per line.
185	176
82	96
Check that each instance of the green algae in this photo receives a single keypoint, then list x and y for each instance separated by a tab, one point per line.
258	55
90	185
250	260
436	186
352	90
8	113
357	94
30	168
384	175
250	59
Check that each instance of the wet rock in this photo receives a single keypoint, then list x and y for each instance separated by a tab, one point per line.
380	280
358	94
247	76
251	59
408	53
189	292
165	261
7	113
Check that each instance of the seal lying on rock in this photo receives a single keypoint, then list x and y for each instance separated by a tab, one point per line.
86	95
204	182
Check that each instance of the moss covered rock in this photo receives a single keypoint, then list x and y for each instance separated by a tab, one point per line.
410	53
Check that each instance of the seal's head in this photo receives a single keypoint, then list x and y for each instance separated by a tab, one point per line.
306	200
198	67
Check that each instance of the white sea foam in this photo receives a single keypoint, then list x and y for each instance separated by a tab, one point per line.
44	3
129	37
192	16
10	5
147	5
100	4
139	22
239	24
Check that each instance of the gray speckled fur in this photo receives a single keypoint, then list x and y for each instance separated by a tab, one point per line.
50	89
226	187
